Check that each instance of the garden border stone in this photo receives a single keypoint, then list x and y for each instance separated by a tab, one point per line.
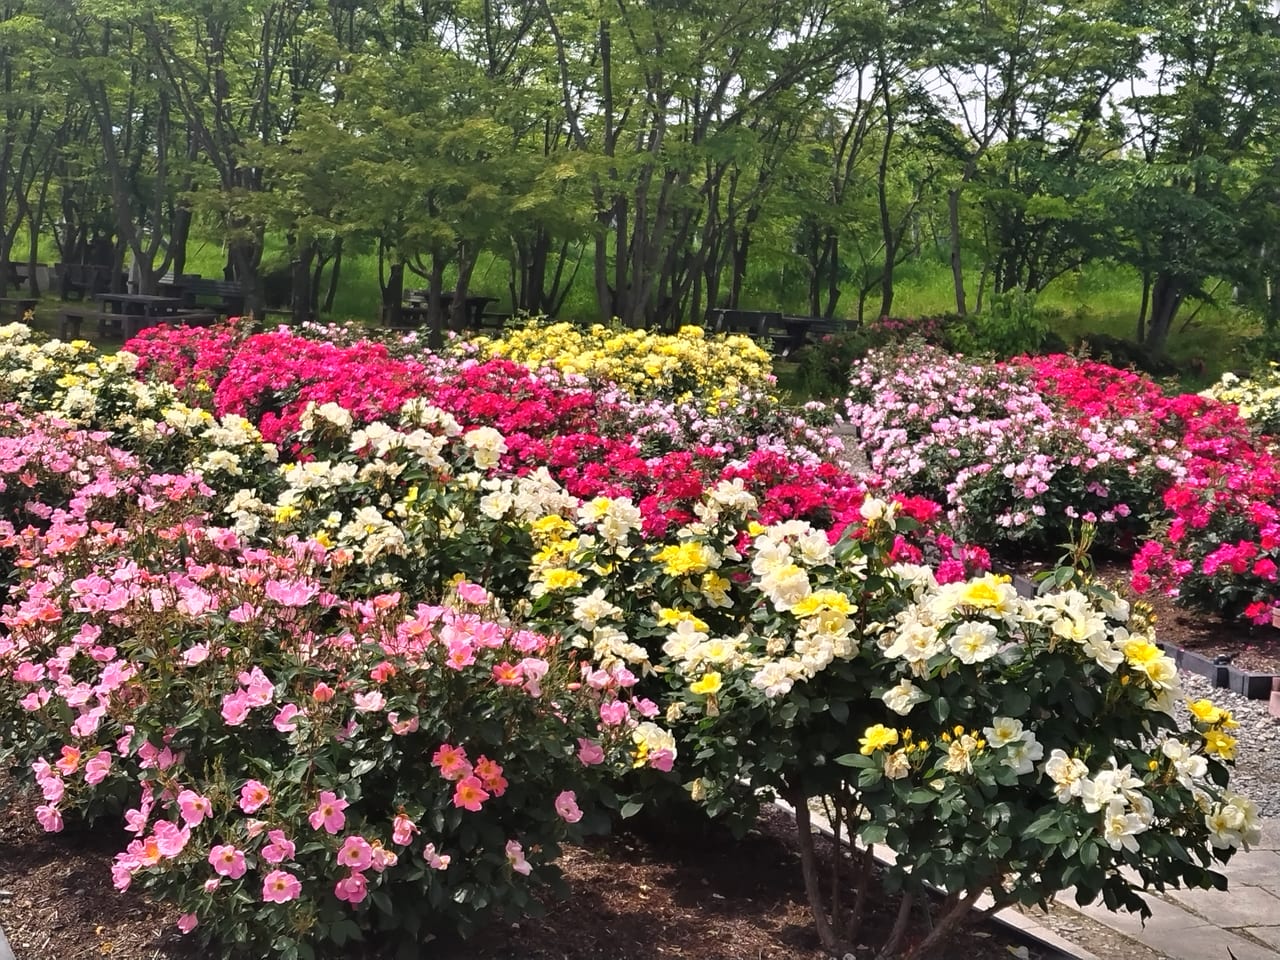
1220	672
6	952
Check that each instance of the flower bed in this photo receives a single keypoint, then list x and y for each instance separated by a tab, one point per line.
1021	452
467	615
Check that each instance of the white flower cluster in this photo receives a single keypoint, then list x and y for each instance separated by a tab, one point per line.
1112	791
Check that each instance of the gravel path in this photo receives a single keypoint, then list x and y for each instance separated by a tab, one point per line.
1256	774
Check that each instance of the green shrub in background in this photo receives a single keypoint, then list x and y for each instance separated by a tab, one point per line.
1011	325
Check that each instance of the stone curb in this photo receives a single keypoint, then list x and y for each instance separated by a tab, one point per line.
6	953
1021	925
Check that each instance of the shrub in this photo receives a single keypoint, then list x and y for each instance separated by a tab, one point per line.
1007	746
1010	325
647	365
1015	466
299	767
1257	398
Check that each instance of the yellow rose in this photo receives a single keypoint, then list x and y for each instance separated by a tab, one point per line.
1219	744
709	684
877	737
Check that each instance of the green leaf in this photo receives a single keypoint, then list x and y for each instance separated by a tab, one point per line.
855	760
874	833
631	808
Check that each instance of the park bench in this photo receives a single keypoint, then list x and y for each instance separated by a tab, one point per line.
763	326
71	321
202	293
17	306
780	334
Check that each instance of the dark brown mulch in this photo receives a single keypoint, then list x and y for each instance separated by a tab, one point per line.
678	896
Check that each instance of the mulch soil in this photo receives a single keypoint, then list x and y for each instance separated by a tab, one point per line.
675	895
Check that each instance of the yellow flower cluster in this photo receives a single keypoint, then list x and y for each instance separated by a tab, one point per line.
645	364
1217	742
1257	398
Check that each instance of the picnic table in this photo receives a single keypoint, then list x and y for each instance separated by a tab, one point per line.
18	306
133	311
226	297
124	314
17	273
783	334
414	310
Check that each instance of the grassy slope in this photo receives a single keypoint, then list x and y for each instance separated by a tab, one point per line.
1104	298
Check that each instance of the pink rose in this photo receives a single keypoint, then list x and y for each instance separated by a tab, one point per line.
253	796
402	830
227	861
235	708
284	719
589	752
49	818
280	848
355	853
567	807
328	813
352	889
194	808
280	886
96	770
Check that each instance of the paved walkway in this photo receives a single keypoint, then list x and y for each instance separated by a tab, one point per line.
1206	924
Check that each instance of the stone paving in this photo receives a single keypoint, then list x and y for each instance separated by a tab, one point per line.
1242	922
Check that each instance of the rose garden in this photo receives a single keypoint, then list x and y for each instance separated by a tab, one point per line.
344	639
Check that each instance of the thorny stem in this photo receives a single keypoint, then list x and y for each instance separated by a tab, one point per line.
809	870
860	893
890	948
956	912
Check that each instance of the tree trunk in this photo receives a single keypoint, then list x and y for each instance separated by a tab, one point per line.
301	301
957	267
1167	294
393	294
833	274
245	257
1142	309
334	272
435	315
604	299
458	308
809	872
741	251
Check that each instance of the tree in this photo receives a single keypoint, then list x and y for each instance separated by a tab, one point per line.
1205	124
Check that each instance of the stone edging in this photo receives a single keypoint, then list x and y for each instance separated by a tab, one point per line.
1018	923
6	952
1255	686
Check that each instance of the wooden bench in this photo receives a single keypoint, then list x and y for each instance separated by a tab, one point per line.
224	296
801	331
763	326
18	306
71	322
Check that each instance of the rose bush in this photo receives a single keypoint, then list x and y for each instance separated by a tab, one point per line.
299	765
683	366
1011	747
471	610
1257	398
1013	467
